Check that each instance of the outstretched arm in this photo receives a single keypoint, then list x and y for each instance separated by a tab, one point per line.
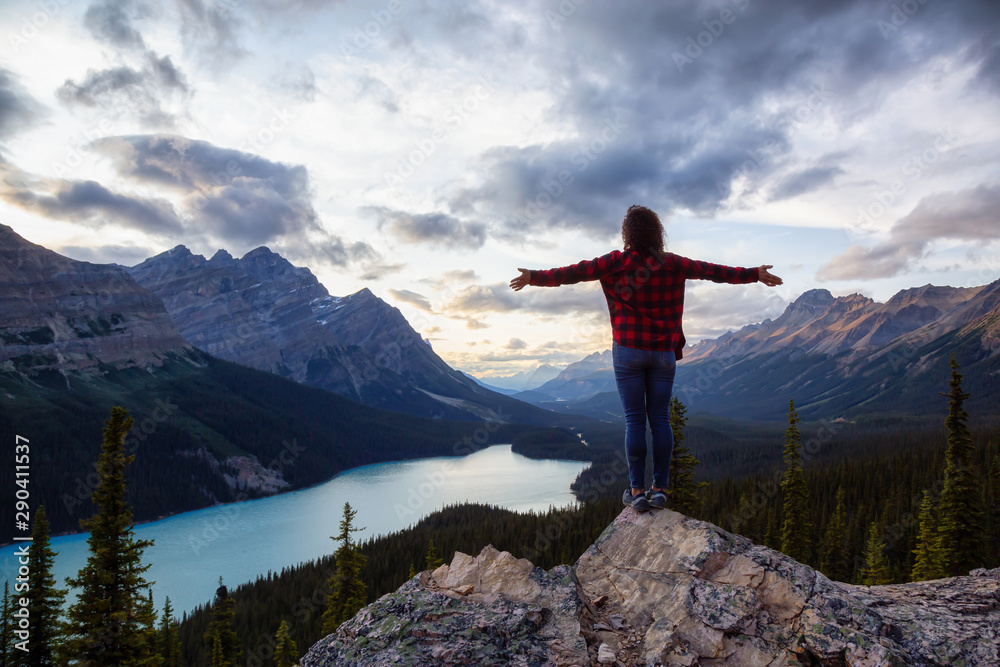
766	277
520	281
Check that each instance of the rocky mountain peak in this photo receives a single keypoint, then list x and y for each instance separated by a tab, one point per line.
65	315
663	589
221	257
269	266
813	299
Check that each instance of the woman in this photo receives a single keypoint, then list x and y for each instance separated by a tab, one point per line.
644	287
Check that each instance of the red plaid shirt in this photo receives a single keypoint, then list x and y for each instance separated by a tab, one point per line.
645	293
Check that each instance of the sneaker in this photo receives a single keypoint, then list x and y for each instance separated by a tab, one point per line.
638	503
657	499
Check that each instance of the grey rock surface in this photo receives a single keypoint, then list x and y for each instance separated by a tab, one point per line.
701	596
492	609
663	589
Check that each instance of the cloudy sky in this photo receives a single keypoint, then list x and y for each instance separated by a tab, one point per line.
428	149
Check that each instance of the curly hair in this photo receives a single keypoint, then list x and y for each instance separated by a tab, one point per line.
642	231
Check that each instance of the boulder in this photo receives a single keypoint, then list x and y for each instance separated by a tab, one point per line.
660	588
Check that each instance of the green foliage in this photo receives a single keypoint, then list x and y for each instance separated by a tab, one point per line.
961	543
108	624
348	592
682	496
835	559
796	540
44	599
220	638
927	563
887	485
876	570
168	640
432	560
285	650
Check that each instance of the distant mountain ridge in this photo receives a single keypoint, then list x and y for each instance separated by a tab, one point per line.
523	380
817	322
850	354
832	355
582	379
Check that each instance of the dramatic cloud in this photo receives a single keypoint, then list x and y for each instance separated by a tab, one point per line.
126	91
436	228
111	22
240	196
126	255
413	298
970	215
18	109
710	309
642	130
805	181
88	202
476	300
213	30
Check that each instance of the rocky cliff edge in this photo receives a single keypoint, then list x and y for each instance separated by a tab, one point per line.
664	589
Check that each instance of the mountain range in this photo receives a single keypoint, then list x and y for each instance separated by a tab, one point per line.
78	338
262	312
521	381
834	356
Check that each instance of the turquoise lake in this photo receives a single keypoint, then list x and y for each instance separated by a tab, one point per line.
243	540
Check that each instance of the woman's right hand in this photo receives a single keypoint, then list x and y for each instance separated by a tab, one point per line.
520	281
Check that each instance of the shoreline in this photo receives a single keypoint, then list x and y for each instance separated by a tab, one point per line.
299	488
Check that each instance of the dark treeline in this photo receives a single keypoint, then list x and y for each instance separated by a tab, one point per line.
885	487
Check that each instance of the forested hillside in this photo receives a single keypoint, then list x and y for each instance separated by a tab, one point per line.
882	474
201	420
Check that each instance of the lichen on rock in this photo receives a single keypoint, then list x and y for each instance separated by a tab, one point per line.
663	589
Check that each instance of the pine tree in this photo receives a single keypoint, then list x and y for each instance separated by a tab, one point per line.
682	494
795	531
412	573
927	563
220	636
876	569
347	590
432	560
836	560
771	537
961	542
169	637
285	650
107	625
44	600
6	629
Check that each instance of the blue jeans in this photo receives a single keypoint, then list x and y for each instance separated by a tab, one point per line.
645	381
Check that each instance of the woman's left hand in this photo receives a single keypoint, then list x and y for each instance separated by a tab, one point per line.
766	277
517	283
